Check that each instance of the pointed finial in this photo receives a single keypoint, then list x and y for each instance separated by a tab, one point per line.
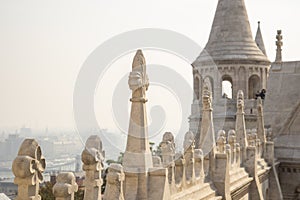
139	59
206	96
279	44
259	40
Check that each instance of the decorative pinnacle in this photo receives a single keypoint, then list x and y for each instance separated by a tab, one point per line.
206	96
279	44
139	60
138	79
259	40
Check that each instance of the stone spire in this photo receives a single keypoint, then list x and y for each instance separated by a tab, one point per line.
231	37
138	154
279	44
206	139
259	40
137	157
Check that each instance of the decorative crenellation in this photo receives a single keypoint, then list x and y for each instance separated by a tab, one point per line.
184	169
229	147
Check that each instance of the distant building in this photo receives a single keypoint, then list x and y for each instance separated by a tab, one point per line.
8	147
8	187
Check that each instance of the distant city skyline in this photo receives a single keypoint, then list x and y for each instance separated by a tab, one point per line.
44	44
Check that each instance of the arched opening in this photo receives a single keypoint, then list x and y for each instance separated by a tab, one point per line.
197	87
254	86
227	87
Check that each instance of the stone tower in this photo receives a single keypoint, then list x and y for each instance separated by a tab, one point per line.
230	56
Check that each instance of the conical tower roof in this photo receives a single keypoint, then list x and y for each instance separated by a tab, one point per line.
259	40
230	39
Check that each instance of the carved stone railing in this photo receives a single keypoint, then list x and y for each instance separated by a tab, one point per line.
184	169
65	186
28	167
92	158
114	184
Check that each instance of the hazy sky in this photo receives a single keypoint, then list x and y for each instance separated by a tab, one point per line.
44	43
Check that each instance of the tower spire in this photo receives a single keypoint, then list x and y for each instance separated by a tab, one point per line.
259	40
231	37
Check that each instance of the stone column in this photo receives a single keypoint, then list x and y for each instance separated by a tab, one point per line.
92	157
240	125
65	186
138	157
28	167
114	185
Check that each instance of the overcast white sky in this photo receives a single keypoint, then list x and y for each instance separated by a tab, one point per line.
44	43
